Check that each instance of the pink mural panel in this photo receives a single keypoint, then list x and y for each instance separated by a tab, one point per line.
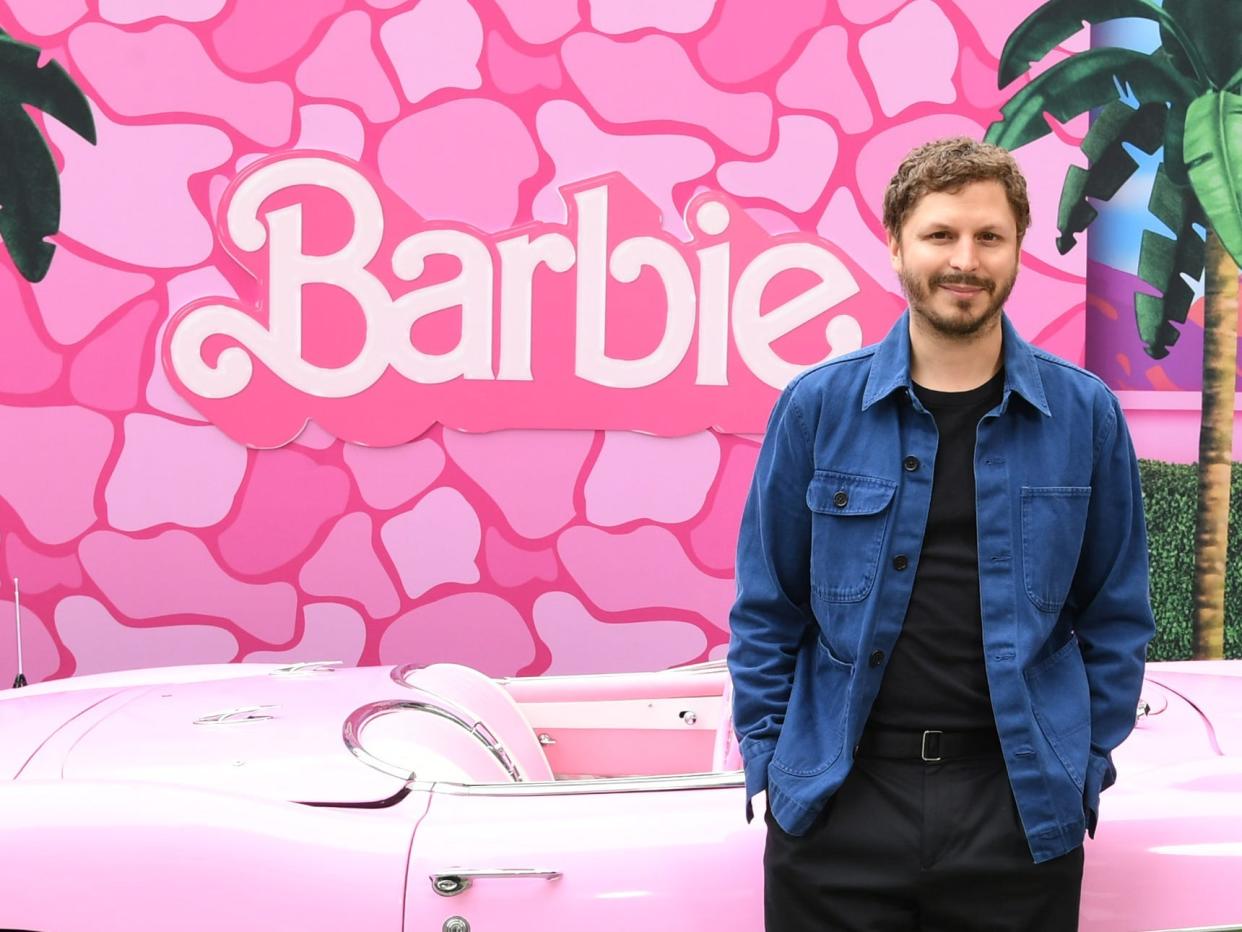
550	524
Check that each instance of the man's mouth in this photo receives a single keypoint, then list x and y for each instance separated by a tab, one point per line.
962	288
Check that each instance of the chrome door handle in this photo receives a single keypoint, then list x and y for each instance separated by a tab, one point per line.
455	880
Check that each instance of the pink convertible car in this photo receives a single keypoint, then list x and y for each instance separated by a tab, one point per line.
314	797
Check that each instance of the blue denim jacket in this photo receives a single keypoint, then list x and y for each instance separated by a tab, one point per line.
1062	578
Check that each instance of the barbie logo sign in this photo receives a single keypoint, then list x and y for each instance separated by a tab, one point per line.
377	323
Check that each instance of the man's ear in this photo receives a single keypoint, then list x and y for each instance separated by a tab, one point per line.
894	252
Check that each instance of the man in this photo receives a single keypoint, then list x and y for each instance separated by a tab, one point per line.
942	607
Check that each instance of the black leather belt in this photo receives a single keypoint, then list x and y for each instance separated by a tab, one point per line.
929	746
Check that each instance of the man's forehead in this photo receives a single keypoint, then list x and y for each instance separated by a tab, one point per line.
983	203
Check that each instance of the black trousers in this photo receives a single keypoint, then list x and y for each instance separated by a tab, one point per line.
905	845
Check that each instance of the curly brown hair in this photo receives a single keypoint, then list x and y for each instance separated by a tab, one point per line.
949	165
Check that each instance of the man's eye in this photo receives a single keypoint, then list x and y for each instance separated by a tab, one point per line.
990	237
940	234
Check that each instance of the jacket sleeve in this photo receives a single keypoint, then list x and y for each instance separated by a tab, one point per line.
1114	617
772	611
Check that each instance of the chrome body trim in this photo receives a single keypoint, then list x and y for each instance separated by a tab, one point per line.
454	880
352	733
238	716
307	666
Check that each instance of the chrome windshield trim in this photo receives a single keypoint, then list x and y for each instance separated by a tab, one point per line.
645	784
703	667
359	718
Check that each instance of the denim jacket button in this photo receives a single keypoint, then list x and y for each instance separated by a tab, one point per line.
877	658
840	499
901	561
910	463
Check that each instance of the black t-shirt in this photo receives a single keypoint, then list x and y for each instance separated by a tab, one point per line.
935	676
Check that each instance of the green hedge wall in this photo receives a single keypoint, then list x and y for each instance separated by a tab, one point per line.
1169	493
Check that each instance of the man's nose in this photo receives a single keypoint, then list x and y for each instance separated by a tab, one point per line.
965	255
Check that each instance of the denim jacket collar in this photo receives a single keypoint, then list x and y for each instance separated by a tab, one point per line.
890	366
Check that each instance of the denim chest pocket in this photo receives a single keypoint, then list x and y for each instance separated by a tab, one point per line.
849	518
1053	521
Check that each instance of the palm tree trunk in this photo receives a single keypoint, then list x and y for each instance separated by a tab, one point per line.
1220	355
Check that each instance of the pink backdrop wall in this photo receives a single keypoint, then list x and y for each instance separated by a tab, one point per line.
143	535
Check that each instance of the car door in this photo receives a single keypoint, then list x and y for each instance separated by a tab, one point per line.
612	855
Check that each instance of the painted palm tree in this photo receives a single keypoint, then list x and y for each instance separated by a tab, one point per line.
1188	102
29	185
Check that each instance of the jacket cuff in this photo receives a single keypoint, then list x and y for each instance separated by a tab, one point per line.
756	760
1100	776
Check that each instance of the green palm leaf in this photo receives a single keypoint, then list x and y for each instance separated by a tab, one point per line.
29	185
1213	152
1056	21
1082	83
1110	165
1212	29
1170	265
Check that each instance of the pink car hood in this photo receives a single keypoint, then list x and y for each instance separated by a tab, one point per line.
1215	689
273	736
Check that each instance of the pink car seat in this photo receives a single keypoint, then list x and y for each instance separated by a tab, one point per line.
490	703
726	755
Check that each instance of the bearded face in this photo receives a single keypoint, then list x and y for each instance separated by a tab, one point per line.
957	258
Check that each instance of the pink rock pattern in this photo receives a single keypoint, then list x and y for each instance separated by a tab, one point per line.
343	67
263	111
530	474
657	163
713	540
581	643
843	224
46	17
463	160
288	497
868	11
391	476
576	550
541	22
124	12
38	572
515	72
748	40
883	151
27	364
101	644
171	473
658	572
821	80
105	372
620	16
141	173
76	294
787	176
330	128
921	25
40	654
637	477
435	542
434	45
197	283
330	632
258	34
346	566
652	79
512	566
48	477
478	629
173	574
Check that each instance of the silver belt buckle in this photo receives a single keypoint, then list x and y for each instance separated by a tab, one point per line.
923	749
